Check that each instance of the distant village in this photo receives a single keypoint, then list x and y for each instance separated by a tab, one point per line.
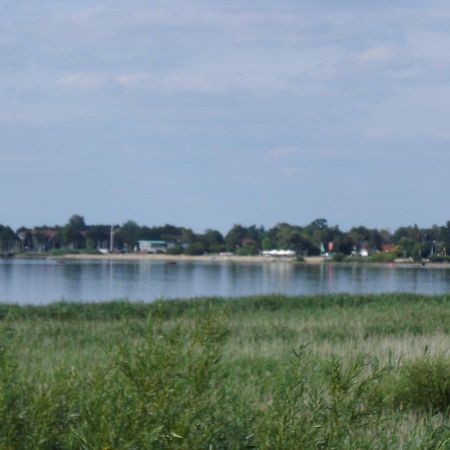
316	238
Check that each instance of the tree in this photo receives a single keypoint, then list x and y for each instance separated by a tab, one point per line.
98	236
343	244
212	240
187	236
321	234
8	238
360	237
197	248
444	238
130	233
235	236
317	230
77	223
73	231
266	243
292	237
247	236
410	248
170	233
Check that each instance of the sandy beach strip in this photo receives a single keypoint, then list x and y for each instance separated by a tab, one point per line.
258	259
180	258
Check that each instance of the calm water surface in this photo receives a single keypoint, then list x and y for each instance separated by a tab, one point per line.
45	281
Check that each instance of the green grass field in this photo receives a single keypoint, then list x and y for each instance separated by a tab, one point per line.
322	372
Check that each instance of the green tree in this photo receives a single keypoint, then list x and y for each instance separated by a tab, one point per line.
235	236
266	243
240	236
410	248
365	237
446	237
292	237
98	236
318	231
8	239
73	232
187	236
213	241
196	248
130	233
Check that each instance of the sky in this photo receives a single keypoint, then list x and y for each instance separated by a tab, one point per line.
209	113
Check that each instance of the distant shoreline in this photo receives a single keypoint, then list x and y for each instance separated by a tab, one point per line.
180	258
308	260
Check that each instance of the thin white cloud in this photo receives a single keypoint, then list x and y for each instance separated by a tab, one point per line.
83	15
288	171
379	133
181	81
81	81
429	46
281	161
442	136
377	55
280	154
284	154
195	82
187	17
412	112
131	79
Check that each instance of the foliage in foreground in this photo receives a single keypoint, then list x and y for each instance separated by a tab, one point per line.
182	377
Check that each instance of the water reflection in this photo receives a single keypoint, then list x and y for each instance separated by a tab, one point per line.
43	281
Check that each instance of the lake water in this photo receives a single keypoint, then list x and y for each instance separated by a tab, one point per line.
45	281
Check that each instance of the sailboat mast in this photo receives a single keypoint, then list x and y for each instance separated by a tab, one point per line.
111	239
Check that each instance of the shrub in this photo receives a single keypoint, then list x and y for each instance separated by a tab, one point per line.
71	251
217	248
424	384
382	257
196	249
172	380
338	257
247	250
177	250
439	258
303	415
356	259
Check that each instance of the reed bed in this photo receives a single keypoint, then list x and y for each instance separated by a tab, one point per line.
268	372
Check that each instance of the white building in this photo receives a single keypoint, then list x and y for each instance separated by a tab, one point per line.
152	246
288	253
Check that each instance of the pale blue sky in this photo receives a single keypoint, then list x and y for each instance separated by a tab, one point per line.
210	113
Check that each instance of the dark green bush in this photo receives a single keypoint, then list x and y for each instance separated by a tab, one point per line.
195	249
247	250
338	257
424	384
168	394
70	251
382	257
303	414
177	250
439	259
217	248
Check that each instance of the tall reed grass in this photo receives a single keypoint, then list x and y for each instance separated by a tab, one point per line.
273	372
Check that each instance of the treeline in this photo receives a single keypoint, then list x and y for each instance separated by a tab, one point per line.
313	239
